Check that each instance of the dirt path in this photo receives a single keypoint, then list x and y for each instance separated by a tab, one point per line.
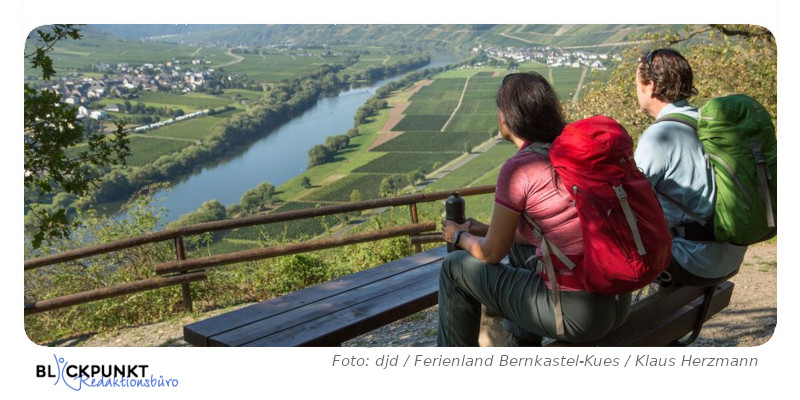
395	115
236	59
460	100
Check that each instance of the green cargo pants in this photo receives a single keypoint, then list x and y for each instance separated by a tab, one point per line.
520	295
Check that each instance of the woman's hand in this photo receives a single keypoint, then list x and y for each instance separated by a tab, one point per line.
477	228
449	229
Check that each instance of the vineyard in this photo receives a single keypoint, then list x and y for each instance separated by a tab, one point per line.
367	185
466	99
439	141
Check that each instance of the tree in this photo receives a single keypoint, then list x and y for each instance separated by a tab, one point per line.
416	177
305	182
725	59
209	211
50	128
319	154
389	186
254	199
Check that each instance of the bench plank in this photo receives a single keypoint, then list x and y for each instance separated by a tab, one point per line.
198	333
301	318
678	307
334	328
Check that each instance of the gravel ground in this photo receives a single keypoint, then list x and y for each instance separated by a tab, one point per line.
749	320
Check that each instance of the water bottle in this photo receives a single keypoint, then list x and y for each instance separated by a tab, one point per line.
454	210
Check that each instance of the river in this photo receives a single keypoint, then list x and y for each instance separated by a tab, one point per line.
278	156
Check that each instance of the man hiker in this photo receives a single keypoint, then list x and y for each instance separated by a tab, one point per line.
674	161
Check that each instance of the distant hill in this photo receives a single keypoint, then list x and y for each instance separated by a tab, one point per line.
403	36
148	31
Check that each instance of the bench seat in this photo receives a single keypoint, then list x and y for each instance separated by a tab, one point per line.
341	309
331	312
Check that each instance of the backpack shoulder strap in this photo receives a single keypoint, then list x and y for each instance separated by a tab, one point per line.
678	117
692	123
696	217
539	148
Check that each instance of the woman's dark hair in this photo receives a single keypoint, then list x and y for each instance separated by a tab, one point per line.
670	72
531	107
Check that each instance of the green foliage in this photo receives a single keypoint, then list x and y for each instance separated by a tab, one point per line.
725	59
127	265
50	128
296	272
209	211
319	154
257	198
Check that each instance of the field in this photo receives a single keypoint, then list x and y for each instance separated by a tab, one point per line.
274	67
146	150
339	191
71	55
472	172
193	129
422	122
416	141
403	163
286	231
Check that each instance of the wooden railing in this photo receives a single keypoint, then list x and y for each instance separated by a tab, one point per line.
183	270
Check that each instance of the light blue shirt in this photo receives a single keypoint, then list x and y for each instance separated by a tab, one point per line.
673	160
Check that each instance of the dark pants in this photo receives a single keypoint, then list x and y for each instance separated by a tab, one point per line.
519	295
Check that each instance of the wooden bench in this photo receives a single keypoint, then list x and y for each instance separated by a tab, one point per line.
335	311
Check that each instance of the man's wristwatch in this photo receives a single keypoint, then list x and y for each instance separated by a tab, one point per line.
456	237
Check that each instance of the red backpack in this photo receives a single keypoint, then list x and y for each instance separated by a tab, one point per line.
627	242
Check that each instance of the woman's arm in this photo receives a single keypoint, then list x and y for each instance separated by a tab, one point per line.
477	228
500	234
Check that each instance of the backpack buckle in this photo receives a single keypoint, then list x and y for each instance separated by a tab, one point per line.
760	159
620	192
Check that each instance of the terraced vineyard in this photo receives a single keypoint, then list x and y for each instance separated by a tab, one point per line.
442	120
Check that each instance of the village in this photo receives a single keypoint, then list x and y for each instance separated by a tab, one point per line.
125	82
551	56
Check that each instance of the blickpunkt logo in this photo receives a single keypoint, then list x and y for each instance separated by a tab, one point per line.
78	376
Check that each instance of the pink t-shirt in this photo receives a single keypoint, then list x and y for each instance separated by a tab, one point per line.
525	183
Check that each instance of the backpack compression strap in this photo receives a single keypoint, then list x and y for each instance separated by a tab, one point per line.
692	123
547	247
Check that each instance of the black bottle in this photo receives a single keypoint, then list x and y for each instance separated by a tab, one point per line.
454	210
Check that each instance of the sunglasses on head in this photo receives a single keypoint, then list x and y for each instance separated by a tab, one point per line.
649	58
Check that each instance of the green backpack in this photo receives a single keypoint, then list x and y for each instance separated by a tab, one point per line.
739	139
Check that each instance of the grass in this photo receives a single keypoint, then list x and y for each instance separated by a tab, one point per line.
145	150
191	129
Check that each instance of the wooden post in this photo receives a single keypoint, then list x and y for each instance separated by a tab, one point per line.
180	253
415	220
